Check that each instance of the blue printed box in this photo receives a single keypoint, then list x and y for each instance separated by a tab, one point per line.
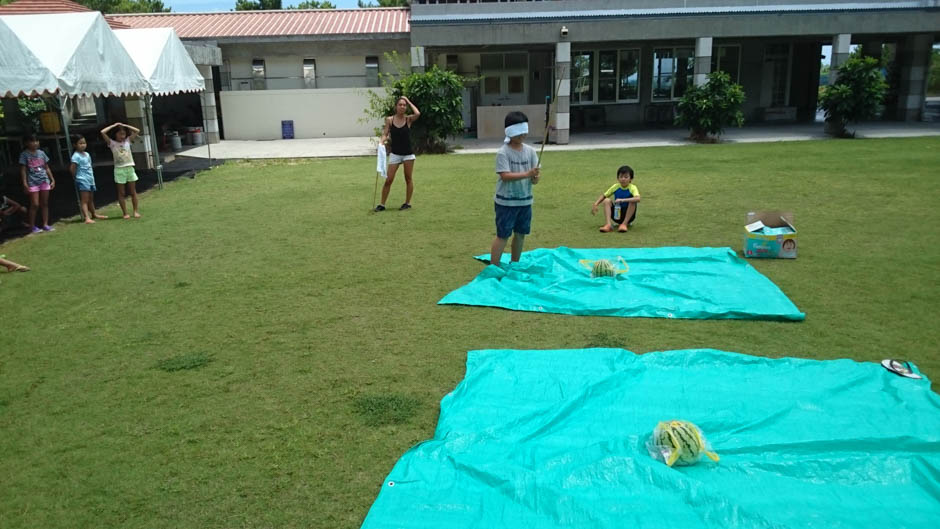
770	234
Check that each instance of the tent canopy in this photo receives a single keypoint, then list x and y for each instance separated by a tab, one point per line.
84	58
162	59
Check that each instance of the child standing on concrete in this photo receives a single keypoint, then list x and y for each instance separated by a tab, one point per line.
517	167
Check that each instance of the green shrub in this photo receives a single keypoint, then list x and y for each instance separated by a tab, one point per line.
437	93
707	109
856	95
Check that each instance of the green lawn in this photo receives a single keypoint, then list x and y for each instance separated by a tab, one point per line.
259	349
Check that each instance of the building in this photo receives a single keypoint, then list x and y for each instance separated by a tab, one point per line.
312	67
625	63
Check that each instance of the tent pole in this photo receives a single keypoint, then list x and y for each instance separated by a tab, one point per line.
68	148
153	141
205	127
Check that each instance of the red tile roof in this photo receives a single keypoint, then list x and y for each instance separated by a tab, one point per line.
291	22
36	7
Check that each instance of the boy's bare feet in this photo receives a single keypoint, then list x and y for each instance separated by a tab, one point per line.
623	228
97	216
136	215
89	221
126	216
605	228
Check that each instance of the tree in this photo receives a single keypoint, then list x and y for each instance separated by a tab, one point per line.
126	6
313	4
255	5
385	3
707	109
437	93
856	95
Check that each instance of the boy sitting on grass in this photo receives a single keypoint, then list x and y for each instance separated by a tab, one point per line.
620	201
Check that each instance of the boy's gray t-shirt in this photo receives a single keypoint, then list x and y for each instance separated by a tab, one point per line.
514	192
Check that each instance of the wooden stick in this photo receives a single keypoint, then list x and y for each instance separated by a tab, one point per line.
551	111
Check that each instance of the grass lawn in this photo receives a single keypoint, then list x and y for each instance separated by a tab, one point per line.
259	349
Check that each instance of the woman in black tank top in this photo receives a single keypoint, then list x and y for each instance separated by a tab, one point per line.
398	130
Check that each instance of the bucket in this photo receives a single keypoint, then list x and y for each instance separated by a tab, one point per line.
49	122
176	144
190	132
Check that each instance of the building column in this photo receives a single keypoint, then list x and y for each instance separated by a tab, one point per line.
913	63
141	148
563	102
210	114
841	47
418	64
703	60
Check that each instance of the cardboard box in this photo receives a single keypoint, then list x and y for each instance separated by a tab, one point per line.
774	245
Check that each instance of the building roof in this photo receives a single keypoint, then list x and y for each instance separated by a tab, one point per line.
36	7
533	15
284	23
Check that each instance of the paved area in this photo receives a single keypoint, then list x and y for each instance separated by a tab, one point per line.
343	147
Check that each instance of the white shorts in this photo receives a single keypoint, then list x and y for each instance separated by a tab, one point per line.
395	159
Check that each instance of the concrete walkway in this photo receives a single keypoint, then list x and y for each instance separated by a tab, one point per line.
344	147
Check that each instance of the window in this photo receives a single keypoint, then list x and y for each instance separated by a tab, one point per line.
629	86
491	86
673	69
615	78
372	70
777	57
258	81
727	59
606	76
582	79
310	73
516	84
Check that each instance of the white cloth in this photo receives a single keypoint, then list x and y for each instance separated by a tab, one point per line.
515	130
381	166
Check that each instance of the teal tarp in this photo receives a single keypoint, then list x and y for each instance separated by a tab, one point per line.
546	439
677	282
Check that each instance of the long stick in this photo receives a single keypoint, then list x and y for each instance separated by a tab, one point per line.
376	190
551	111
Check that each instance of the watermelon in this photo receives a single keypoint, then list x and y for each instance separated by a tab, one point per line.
679	443
603	268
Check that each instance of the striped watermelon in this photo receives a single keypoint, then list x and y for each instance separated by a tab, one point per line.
603	268
680	443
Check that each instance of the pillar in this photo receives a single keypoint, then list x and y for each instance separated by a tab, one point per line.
913	63
703	60
418	64
841	47
141	148
563	103
210	114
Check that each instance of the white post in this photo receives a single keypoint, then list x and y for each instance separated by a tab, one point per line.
703	60
563	105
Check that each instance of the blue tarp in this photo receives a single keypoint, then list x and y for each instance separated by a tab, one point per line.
671	282
555	438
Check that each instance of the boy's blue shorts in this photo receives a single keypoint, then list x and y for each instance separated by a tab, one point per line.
84	186
511	219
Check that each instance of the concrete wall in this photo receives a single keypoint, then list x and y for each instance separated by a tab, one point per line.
320	113
340	64
491	121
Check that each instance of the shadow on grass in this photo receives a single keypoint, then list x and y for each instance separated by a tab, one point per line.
183	362
383	410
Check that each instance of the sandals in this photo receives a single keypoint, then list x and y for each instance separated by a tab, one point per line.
900	368
378	208
405	206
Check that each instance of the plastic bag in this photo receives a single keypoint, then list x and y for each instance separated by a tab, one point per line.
679	443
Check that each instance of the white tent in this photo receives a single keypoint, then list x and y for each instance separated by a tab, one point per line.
21	72
163	60
78	50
